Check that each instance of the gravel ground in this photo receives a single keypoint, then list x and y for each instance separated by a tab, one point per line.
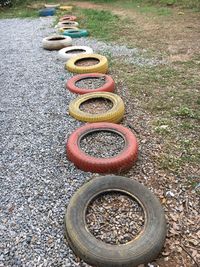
115	218
37	181
102	144
91	83
96	105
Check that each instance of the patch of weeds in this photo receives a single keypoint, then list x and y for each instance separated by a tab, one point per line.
186	112
18	12
100	23
162	126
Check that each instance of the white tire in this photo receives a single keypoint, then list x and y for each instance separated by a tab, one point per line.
56	42
51	6
66	53
67	23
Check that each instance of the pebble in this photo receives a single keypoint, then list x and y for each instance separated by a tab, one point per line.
91	83
102	144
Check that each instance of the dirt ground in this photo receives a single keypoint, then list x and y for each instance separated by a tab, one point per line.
176	38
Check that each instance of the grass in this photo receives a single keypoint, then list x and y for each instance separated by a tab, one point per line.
172	103
20	11
92	20
148	5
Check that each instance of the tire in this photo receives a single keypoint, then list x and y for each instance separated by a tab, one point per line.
142	250
68	17
76	33
61	30
109	85
122	161
67	8
52	5
115	114
101	67
65	54
56	42
67	23
47	12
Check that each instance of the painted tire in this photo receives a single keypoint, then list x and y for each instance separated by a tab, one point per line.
52	6
47	12
141	250
100	67
109	85
68	8
67	23
122	161
56	42
61	30
65	54
68	17
115	114
76	33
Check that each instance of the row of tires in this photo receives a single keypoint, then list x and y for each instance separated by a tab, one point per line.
50	9
150	241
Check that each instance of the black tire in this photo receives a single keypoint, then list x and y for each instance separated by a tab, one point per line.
141	250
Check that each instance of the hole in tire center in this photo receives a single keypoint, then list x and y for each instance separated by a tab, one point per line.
115	218
91	83
96	105
102	144
57	38
75	51
68	22
74	31
87	62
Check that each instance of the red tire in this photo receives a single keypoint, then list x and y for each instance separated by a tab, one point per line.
68	17
122	161
109	85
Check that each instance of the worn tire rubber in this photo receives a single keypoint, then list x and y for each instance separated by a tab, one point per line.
101	67
66	56
50	44
76	33
67	17
67	23
115	114
109	85
47	12
124	160
51	5
142	250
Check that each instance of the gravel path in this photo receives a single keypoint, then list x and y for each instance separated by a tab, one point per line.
36	179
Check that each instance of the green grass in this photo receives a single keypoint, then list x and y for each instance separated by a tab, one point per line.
20	11
92	20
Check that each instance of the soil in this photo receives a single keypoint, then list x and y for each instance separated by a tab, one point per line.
96	105
91	83
87	62
115	218
102	144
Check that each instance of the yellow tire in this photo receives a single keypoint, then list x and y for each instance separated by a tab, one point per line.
115	114
66	8
100	67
